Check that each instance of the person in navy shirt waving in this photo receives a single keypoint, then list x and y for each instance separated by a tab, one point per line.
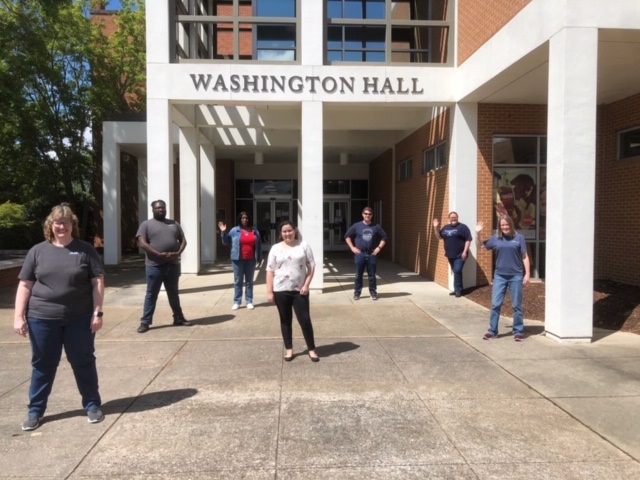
512	272
457	239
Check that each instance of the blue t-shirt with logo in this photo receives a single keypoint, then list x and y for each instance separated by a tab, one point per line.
366	237
454	239
509	250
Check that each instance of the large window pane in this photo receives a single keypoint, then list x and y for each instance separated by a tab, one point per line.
515	190
508	150
364	37
361	9
359	189
419	10
276	36
276	8
334	187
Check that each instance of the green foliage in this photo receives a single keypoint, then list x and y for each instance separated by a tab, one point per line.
45	84
11	214
16	233
59	75
119	64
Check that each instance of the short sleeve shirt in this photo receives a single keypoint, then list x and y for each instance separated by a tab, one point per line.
62	287
290	266
163	236
509	252
454	239
366	237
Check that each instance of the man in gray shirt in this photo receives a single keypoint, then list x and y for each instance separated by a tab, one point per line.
163	241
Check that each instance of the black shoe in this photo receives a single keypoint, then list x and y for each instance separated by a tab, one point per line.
181	322
143	327
314	359
356	297
458	294
452	293
374	296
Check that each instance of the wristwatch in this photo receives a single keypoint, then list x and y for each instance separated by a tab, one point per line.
98	314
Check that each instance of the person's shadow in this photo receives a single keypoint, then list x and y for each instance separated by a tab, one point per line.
335	348
143	402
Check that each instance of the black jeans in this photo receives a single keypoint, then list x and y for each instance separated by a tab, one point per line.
286	302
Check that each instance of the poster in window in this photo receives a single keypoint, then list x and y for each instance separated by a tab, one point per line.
515	195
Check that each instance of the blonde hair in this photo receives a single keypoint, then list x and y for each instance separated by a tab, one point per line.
509	220
60	212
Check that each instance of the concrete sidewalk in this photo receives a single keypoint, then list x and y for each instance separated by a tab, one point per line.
406	388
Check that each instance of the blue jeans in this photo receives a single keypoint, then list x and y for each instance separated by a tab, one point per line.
48	337
457	264
243	271
500	284
169	274
369	261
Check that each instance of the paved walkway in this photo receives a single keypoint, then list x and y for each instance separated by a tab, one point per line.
406	388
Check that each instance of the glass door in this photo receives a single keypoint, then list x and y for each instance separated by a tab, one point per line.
268	214
335	217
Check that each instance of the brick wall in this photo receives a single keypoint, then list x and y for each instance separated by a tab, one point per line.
478	21
418	200
225	199
617	256
380	188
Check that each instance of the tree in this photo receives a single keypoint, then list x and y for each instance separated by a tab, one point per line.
59	76
119	64
45	110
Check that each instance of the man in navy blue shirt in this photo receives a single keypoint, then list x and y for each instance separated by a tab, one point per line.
457	238
365	239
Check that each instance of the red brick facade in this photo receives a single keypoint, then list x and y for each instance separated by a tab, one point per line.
617	231
478	21
380	171
418	200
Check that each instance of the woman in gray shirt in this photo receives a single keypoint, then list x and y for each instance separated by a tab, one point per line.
59	304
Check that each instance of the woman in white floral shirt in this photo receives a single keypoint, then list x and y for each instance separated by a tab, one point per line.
290	268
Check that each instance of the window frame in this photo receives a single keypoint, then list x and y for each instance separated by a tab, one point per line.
621	148
390	25
405	169
440	157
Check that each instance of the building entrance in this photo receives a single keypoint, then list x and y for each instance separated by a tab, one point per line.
335	216
268	213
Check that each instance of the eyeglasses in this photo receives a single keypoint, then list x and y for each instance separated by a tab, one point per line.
367	213
62	224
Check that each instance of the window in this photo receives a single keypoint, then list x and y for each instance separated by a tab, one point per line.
629	143
251	30
405	169
520	190
386	31
434	158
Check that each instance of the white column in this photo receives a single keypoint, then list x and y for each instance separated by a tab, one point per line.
311	33
111	200
208	203
190	197
158	31
463	178
143	200
571	158
310	181
159	154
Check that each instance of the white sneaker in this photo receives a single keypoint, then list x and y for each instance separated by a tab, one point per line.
250	306
235	306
